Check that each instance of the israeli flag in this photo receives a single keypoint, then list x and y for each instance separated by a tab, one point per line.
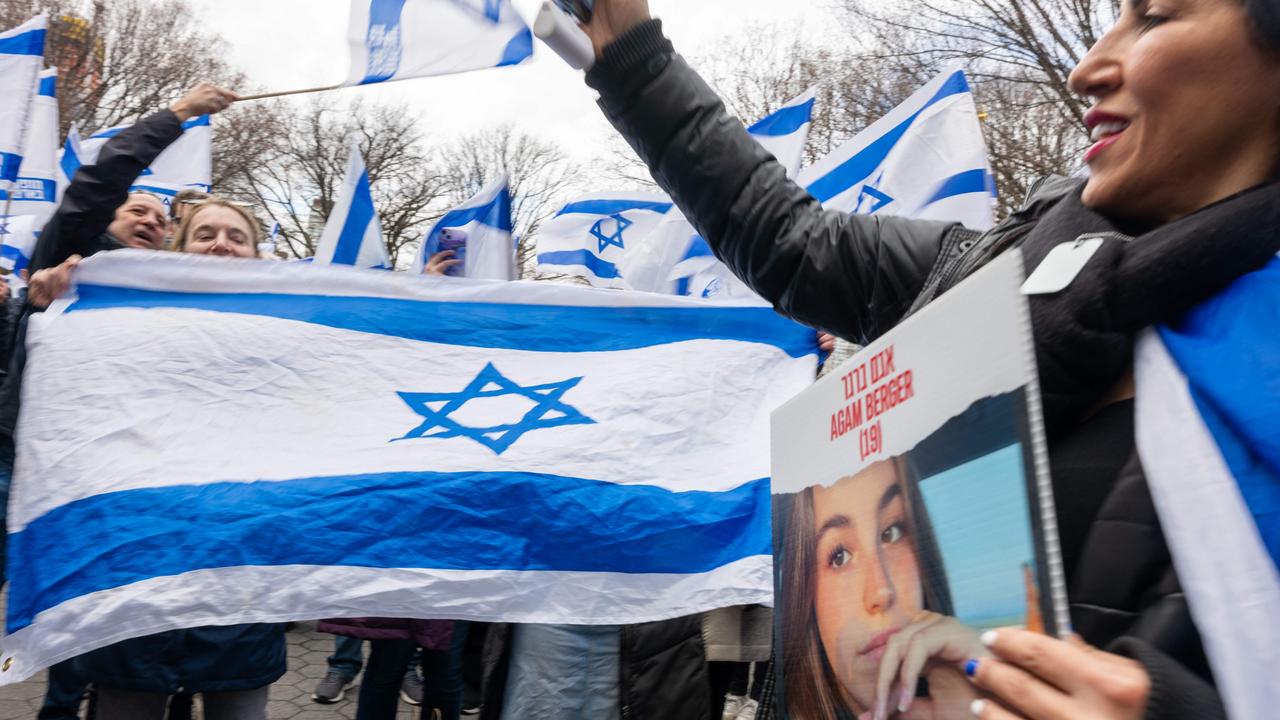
68	160
1208	411
380	444
21	57
675	259
352	234
401	39
480	234
187	163
785	131
17	241
926	159
589	237
35	191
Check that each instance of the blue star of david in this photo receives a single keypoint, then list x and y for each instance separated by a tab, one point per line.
620	224
548	410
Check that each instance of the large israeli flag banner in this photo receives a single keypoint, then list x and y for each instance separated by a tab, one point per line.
187	163
210	440
480	234
926	159
352	234
589	236
401	39
35	191
1208	411
21	57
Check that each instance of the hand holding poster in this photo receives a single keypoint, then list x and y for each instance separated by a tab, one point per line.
912	505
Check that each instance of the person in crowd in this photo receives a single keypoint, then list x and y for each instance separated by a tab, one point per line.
1182	193
396	646
231	667
180	205
97	213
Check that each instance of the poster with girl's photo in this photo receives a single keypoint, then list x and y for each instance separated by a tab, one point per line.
912	512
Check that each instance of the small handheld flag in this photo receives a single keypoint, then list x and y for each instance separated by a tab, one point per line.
21	56
35	191
352	235
481	231
589	236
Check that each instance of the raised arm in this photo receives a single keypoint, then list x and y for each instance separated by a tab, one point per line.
853	275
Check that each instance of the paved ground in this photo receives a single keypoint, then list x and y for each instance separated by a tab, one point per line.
290	697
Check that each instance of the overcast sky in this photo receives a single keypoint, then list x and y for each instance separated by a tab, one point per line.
294	44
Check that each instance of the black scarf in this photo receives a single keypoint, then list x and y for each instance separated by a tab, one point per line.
1084	334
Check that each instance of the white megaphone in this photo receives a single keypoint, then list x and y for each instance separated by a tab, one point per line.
560	31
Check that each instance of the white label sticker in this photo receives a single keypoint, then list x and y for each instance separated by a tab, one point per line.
1061	266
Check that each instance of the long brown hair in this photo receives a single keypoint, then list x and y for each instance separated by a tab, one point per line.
810	689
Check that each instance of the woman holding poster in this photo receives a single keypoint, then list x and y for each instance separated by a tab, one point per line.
1181	202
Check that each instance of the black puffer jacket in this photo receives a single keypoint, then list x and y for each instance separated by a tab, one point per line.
858	276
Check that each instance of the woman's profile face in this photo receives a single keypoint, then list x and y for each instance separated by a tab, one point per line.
1185	109
218	230
867	576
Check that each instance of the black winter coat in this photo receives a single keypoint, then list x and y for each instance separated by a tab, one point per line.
241	657
858	276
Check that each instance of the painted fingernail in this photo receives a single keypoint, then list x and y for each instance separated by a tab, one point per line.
904	701
971	667
977	706
988	638
882	709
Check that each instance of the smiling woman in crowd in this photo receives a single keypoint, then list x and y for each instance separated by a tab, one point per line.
1186	132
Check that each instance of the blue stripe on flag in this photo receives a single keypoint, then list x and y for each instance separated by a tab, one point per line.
383	45
32	190
359	215
14	255
495	213
49	86
518	50
28	43
609	207
698	248
1229	352
786	121
461	521
602	269
70	161
198	121
9	164
539	328
969	181
860	166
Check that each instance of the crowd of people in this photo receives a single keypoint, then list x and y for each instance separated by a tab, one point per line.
1181	188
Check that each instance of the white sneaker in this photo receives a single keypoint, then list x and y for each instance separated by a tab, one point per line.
733	705
748	711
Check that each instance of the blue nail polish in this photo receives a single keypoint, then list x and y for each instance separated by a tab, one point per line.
971	667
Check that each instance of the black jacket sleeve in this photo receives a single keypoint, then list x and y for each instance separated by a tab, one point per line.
89	204
853	275
1177	693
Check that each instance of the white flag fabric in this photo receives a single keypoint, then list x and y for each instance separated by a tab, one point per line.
480	234
187	163
785	131
352	234
35	191
926	159
498	451
21	57
1207	412
589	236
17	242
68	160
400	39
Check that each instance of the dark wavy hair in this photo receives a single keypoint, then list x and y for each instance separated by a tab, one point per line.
811	690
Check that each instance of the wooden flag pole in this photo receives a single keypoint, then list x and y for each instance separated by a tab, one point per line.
264	96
